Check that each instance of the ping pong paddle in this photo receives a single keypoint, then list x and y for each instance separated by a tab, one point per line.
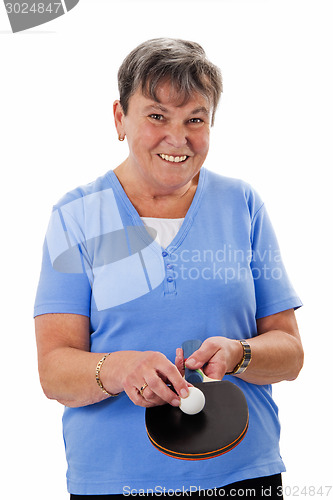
217	429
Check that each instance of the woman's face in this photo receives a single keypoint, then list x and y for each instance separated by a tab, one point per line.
168	142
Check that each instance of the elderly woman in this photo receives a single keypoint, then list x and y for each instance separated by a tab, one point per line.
155	252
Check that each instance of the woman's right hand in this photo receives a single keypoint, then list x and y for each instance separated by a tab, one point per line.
67	367
132	370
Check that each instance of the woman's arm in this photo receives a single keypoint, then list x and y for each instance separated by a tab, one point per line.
67	367
277	352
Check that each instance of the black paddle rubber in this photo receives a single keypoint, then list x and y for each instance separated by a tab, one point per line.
217	429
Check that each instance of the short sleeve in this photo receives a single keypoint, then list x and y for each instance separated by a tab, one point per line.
273	289
64	286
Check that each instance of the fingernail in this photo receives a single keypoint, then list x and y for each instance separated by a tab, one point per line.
190	363
175	402
183	393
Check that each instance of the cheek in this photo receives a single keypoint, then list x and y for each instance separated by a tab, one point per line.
201	144
146	129
152	135
141	142
140	133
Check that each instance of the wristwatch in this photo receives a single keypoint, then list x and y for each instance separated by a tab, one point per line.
245	361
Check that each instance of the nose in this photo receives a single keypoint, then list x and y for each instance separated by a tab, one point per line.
176	135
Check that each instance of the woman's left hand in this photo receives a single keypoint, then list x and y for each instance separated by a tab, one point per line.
216	356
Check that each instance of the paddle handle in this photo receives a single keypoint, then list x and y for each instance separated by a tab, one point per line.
189	347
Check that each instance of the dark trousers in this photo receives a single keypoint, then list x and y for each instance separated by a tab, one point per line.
269	487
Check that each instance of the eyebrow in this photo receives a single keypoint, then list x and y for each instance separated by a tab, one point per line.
157	106
202	109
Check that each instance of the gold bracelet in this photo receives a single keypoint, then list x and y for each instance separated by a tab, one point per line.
98	380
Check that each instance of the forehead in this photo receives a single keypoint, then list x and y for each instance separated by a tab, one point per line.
167	96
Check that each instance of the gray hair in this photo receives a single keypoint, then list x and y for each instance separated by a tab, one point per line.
182	63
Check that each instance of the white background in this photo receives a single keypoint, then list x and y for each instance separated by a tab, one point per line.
273	129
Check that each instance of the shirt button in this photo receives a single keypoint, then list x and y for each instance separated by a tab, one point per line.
169	279
165	254
169	266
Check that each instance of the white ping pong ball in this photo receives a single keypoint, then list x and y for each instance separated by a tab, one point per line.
194	402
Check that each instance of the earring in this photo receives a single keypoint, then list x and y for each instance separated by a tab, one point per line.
121	138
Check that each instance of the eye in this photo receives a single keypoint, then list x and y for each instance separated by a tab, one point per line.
156	117
196	120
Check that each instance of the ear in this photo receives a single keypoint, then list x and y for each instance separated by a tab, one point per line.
119	115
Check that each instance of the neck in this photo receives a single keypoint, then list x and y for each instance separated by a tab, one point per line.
152	201
173	196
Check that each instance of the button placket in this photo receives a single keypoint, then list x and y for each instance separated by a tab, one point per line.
170	284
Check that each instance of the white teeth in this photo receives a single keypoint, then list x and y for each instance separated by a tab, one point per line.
173	159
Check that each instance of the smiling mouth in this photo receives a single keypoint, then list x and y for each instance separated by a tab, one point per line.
173	159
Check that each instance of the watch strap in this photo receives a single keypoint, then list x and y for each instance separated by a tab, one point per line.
245	361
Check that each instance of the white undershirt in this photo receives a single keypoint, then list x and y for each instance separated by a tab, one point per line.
166	228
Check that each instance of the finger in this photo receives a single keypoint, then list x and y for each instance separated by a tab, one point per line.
150	396
176	376
151	399
163	391
201	356
179	361
134	395
145	398
215	370
156	370
212	356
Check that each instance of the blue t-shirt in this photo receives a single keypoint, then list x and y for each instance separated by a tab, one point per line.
221	272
